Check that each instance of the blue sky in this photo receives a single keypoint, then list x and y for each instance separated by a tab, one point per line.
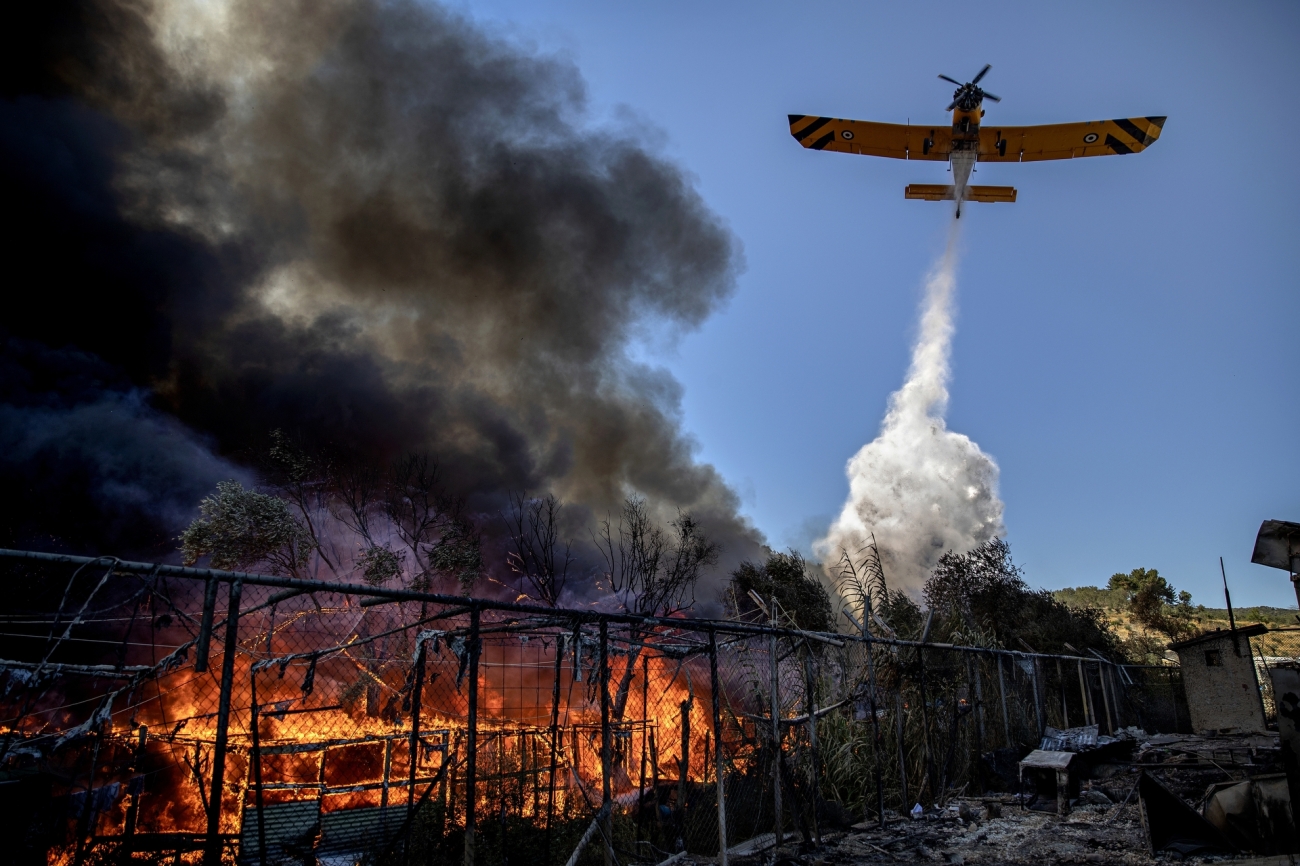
1127	344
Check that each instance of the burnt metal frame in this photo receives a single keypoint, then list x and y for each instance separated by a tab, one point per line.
212	578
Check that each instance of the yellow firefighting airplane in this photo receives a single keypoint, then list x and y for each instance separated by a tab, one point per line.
966	143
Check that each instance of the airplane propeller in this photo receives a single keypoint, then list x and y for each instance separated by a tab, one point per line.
969	95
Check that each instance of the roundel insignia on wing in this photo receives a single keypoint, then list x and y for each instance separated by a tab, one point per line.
1090	138
847	133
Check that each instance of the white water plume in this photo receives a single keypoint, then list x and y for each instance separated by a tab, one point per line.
920	488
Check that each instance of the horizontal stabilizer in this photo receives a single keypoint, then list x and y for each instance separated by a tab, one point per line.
941	192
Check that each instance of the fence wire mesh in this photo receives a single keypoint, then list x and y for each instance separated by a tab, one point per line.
187	716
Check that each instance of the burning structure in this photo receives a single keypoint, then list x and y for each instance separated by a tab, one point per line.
273	719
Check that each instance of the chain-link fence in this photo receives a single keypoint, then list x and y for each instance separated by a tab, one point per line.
1280	645
190	715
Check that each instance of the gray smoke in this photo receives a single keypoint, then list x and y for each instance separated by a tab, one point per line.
415	238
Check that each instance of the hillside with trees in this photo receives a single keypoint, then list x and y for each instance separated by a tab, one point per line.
1146	612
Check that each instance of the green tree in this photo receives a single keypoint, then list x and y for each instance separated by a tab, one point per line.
985	591
1154	602
800	596
238	528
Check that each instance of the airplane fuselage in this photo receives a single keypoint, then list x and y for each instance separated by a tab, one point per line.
965	148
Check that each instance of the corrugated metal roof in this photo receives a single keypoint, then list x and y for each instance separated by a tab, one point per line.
287	825
359	829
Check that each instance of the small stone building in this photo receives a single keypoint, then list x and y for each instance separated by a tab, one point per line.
1220	681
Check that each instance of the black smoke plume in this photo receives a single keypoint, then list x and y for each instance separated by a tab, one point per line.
374	225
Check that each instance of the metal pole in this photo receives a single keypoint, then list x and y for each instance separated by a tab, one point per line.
902	750
1038	697
973	678
877	742
684	766
1173	701
413	757
555	740
606	752
1002	690
202	647
925	721
1105	698
386	783
212	854
719	768
776	722
471	755
645	732
1116	698
1232	619
133	811
810	702
85	826
256	758
1089	717
1065	712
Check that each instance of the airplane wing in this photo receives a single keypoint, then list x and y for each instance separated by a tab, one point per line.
1068	140
895	140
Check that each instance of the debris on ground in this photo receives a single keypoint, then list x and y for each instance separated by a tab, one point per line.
967	833
1110	835
1133	799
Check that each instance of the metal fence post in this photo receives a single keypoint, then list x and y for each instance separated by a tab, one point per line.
413	750
810	702
877	742
85	827
212	853
1065	711
471	755
720	766
1038	697
202	647
930	769
902	749
1105	698
1002	690
776	722
256	760
606	752
1116	697
645	732
1089	716
555	740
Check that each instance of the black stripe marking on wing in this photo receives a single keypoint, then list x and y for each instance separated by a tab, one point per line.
811	128
1116	145
823	141
1131	128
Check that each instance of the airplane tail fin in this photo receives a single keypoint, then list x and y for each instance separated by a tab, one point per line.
940	192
